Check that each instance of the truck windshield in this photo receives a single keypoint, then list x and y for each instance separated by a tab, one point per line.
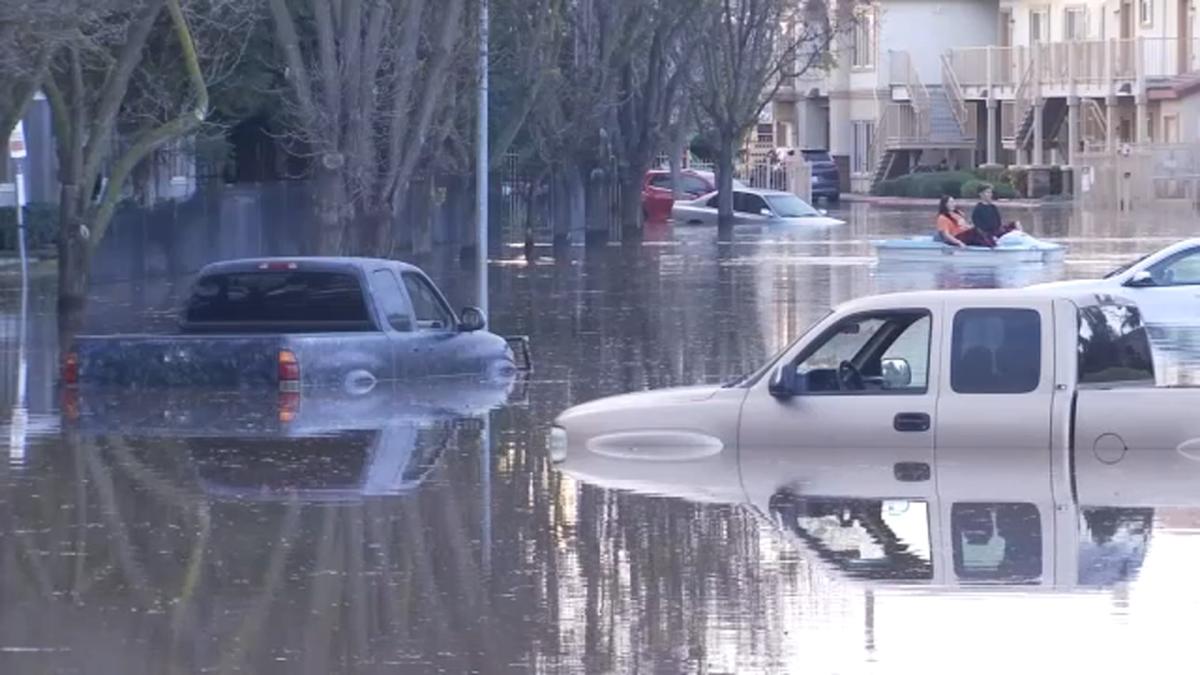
325	300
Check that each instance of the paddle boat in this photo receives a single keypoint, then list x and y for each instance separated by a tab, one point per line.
1014	248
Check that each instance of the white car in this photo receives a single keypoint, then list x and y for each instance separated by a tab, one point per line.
1164	284
753	207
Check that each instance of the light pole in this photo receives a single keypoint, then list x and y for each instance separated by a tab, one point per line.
481	259
481	170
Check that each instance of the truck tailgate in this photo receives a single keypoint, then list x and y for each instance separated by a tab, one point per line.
166	360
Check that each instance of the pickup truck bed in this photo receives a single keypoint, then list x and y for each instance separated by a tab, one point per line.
348	322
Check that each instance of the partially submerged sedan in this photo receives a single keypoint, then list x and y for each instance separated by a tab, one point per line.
1165	284
753	207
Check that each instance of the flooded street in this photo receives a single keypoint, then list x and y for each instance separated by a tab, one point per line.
422	528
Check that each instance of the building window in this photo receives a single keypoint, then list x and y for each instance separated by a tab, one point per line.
1146	11
864	133
1039	26
765	133
864	40
1075	23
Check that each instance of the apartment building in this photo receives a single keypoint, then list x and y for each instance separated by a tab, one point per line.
1009	82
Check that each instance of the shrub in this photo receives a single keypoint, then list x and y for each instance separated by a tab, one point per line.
957	184
925	185
973	187
41	226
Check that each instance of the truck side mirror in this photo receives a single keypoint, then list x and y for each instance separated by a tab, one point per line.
471	320
783	382
1142	279
897	374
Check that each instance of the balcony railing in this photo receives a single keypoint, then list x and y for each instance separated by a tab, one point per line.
1080	63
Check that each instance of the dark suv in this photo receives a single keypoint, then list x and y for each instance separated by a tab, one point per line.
826	183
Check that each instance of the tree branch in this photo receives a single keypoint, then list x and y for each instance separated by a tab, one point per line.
114	88
297	72
185	123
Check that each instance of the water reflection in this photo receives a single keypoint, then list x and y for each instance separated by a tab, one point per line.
424	531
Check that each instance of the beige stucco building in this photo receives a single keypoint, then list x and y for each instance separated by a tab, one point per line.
1011	82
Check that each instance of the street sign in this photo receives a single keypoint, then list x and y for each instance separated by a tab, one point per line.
16	142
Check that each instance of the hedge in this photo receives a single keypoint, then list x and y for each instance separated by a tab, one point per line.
41	226
931	185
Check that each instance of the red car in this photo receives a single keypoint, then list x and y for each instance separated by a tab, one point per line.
658	197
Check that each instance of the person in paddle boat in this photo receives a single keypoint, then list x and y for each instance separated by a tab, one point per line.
953	228
986	216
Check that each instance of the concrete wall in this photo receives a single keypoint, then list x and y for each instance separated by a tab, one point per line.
927	28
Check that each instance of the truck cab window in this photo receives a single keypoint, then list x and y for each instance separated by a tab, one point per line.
996	351
287	297
873	354
1113	346
431	312
391	300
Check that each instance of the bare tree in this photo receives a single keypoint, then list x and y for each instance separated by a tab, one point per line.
752	47
368	80
87	87
29	35
650	85
570	130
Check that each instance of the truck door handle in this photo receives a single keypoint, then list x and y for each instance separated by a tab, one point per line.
912	472
911	422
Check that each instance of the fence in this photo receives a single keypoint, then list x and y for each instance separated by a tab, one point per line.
793	176
1146	177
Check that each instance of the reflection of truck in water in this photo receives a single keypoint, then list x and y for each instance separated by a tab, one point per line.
1001	422
314	445
301	322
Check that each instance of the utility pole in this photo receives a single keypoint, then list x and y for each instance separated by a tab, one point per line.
481	258
481	170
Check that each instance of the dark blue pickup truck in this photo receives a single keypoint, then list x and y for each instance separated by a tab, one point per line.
299	322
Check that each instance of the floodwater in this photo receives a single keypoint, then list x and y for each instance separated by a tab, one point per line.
423	529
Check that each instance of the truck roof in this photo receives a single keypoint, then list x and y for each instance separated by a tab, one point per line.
309	262
989	295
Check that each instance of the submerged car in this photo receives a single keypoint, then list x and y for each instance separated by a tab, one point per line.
1165	284
304	321
826	179
658	190
753	207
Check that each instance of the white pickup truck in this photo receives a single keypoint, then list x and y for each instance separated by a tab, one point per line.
897	381
961	399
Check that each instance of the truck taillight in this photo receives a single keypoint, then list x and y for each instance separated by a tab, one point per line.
70	368
289	370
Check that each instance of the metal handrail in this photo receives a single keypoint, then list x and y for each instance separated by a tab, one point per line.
954	93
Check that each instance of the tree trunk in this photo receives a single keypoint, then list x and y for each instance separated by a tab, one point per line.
678	147
631	213
725	186
74	260
597	208
328	203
